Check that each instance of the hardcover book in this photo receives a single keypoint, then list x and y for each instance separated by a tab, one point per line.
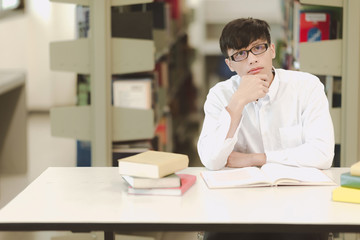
350	181
132	93
355	169
345	194
314	26
270	174
153	164
169	181
187	180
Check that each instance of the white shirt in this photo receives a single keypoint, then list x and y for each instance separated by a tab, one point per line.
291	124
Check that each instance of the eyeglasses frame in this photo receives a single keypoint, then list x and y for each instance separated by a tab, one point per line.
247	52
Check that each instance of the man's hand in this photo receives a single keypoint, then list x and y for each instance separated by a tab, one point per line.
251	88
239	160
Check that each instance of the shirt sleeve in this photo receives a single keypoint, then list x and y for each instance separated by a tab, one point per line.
213	146
317	149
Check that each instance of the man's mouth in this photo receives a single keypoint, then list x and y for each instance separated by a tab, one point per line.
255	70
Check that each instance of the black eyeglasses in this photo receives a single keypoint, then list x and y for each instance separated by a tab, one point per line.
243	54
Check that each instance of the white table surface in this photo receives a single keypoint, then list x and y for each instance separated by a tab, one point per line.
11	79
96	199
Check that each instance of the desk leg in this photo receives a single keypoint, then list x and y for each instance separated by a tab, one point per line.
109	236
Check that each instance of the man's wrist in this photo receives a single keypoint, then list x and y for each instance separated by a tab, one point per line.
259	159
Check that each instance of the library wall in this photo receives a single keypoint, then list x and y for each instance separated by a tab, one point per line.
24	45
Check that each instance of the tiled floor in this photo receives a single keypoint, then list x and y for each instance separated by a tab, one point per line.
47	151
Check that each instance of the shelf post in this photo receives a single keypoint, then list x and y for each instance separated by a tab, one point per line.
100	64
350	84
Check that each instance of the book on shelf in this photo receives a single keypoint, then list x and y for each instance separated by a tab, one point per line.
270	174
187	180
355	169
82	21
140	28
345	194
153	164
170	181
132	92
83	153
314	26
350	181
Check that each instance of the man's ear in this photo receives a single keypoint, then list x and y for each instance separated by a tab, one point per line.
273	52
228	63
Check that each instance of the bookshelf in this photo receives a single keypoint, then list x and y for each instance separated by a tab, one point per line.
101	56
13	122
103	59
340	57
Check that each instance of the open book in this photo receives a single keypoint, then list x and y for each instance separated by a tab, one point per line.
270	174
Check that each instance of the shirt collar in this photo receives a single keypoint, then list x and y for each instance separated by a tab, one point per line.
274	86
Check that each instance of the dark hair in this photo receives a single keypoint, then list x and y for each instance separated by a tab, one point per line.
241	32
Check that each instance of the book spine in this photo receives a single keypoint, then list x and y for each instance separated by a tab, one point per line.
347	180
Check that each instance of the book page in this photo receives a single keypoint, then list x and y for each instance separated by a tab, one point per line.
239	177
288	175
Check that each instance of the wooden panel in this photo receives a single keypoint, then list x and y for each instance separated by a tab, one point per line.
321	58
72	122
336	118
132	55
72	56
132	124
128	124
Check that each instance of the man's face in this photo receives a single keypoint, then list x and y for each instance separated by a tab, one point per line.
253	64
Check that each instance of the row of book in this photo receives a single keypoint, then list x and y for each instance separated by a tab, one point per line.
155	173
349	189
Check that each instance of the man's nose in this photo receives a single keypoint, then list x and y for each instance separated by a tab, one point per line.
252	58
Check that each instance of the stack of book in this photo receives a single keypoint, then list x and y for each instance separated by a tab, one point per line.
349	191
154	173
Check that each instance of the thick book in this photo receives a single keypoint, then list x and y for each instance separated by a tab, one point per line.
132	93
170	181
348	180
270	174
345	194
153	164
355	169
187	180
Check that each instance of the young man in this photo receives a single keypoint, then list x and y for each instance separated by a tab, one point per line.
263	114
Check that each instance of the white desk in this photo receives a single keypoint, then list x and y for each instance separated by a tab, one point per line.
95	199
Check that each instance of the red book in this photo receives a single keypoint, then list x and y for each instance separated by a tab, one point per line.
314	26
187	180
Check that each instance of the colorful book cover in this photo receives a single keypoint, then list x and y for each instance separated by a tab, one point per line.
187	180
314	26
348	180
344	194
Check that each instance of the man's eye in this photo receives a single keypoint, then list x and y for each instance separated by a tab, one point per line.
258	47
241	54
